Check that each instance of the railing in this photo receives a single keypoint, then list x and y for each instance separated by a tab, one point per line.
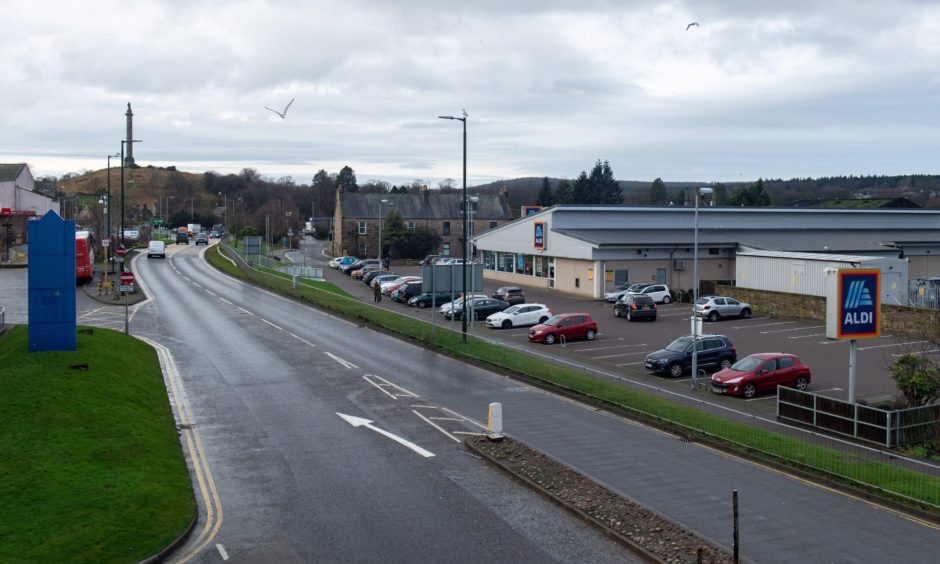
311	272
880	426
3	319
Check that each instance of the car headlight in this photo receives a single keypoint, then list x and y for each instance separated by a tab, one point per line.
734	380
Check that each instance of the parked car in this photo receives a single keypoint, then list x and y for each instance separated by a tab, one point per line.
429	299
714	308
342	261
659	292
622	289
479	308
449	261
358	274
567	326
182	238
447	306
429	259
389	287
348	269
714	351
519	315
635	306
201	238
510	294
156	249
762	372
334	262
407	291
383	278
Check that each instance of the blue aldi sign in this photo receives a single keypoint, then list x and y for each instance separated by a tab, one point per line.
539	239
859	304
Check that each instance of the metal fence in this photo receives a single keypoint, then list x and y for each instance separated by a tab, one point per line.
880	426
924	293
3	319
312	272
15	255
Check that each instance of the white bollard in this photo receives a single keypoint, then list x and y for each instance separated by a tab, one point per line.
296	281
494	422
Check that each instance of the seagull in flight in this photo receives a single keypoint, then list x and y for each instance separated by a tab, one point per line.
284	113
691	24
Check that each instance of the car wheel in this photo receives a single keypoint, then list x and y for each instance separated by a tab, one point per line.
616	312
549	339
506	324
629	316
422	305
666	299
725	363
675	370
746	313
800	383
749	390
590	335
713	316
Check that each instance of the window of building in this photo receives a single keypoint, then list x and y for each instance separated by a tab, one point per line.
489	260
446	228
713	250
445	249
505	262
364	250
362	227
492	225
527	261
411	226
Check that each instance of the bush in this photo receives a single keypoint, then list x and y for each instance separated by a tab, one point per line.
918	378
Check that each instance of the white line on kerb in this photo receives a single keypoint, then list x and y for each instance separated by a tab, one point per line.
222	552
271	324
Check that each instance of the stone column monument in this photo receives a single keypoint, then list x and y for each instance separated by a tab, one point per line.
129	157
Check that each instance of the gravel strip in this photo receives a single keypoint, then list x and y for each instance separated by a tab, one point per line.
642	530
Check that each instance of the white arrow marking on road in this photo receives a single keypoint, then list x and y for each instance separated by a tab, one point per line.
361	422
345	363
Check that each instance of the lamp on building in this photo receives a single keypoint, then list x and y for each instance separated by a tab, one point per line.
463	318
696	321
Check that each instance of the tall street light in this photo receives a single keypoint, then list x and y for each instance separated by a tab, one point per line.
382	201
463	318
696	322
123	142
108	251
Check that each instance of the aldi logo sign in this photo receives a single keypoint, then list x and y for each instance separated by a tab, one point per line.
859	304
539	239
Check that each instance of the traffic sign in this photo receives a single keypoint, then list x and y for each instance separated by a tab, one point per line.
120	251
127	281
157	221
106	243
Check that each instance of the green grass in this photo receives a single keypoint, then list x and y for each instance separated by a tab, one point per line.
897	484
92	469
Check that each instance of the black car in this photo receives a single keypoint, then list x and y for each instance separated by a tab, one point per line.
182	239
408	291
356	265
714	351
427	299
481	307
635	306
370	276
510	294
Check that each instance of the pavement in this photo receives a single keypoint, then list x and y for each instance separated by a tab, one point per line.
97	290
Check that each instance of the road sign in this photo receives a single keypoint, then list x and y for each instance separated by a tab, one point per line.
157	221
127	281
106	243
120	251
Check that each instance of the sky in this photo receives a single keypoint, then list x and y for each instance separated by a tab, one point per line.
757	89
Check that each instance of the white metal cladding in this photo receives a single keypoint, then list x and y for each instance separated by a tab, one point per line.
804	273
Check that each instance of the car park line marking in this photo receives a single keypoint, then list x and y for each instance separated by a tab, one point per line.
362	422
808	336
304	341
632	363
271	324
827	390
769	396
405	393
245	310
222	551
615	355
892	345
764	325
919	352
614	347
186	278
444	418
794	329
831	342
226	301
345	363
436	426
418	406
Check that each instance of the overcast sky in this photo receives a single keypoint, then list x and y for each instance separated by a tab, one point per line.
758	89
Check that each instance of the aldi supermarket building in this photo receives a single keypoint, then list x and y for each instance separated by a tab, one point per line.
586	250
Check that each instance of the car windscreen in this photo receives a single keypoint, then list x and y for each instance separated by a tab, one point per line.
679	345
702	301
747	364
553	320
512	309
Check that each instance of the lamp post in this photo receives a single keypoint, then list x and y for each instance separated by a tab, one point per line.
108	210
463	318
123	142
696	322
105	203
379	255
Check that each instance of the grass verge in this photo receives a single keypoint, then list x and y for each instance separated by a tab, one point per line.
92	468
893	483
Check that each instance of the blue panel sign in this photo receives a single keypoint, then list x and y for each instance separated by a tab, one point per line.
539	239
52	275
859	306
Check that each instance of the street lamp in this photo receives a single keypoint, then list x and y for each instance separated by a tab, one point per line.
696	322
382	201
123	142
107	257
463	318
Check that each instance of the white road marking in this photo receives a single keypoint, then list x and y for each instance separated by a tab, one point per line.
221	550
615	355
345	363
272	324
186	278
226	301
464	417
892	345
211	293
614	347
245	310
385	383
764	325
632	363
919	352
196	284
361	422
808	336
304	341
769	396
794	329
436	426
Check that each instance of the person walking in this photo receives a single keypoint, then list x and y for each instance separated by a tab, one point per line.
377	290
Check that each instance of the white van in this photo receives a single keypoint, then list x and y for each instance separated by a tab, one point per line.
156	249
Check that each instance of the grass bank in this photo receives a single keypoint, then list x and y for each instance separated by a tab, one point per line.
92	469
897	484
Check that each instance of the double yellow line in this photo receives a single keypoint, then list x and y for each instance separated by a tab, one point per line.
204	479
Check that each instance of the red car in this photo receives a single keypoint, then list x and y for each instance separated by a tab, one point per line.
567	326
761	372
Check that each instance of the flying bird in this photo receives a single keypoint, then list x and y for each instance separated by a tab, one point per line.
284	113
465	114
691	24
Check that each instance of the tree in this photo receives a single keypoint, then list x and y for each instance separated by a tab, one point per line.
658	194
250	175
545	197
417	244
751	196
918	378
393	230
564	194
582	189
346	180
447	184
604	187
719	194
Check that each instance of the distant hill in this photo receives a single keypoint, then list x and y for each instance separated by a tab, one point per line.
144	187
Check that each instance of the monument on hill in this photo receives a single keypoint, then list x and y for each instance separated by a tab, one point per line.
129	157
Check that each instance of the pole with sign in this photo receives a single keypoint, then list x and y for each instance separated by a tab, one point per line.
853	310
127	286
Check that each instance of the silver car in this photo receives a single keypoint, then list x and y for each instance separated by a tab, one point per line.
714	308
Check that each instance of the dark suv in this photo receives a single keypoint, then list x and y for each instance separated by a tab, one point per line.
635	306
510	294
715	351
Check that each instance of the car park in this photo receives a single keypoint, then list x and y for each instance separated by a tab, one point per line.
622	289
564	327
348	268
201	238
659	292
761	372
156	249
429	299
715	351
635	306
182	238
510	294
520	315
479	307
714	308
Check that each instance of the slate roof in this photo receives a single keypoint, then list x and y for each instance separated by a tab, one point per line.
10	172
428	205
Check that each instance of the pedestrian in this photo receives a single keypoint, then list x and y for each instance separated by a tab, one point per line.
377	290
